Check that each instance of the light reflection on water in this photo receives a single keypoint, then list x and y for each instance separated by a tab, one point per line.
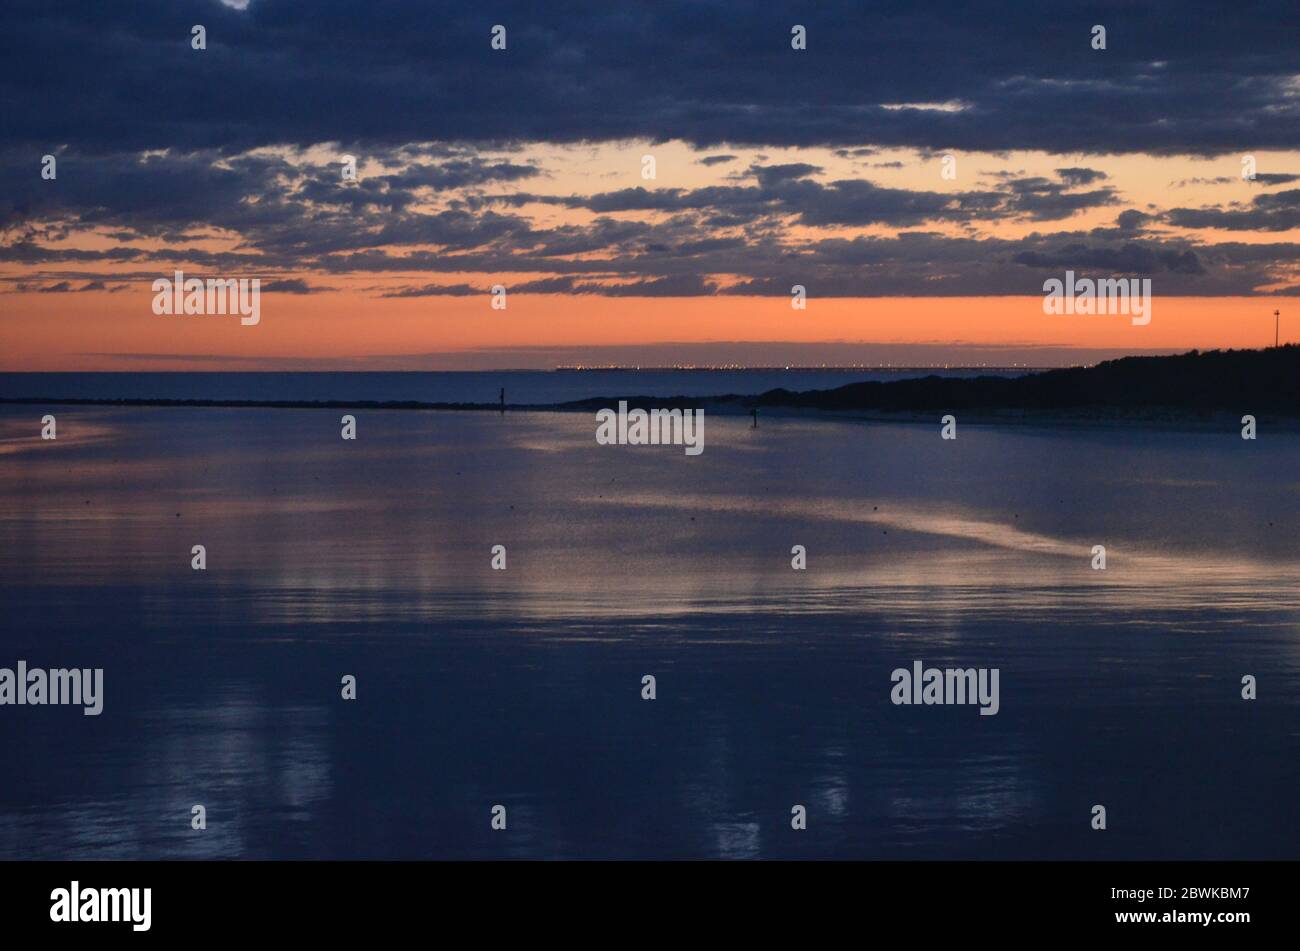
522	687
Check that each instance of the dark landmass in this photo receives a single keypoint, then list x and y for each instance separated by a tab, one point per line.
1258	382
1190	385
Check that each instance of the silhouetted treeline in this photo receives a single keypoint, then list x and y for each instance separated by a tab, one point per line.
1258	382
1236	381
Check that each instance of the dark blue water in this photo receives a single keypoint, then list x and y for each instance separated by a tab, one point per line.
523	687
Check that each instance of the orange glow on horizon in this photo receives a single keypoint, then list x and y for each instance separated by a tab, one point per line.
96	330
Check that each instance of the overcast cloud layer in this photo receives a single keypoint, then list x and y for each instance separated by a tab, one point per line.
1176	76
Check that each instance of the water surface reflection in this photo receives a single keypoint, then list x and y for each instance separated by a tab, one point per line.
523	687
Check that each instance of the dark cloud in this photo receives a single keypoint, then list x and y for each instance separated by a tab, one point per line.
457	173
1124	259
1132	220
1271	211
1266	179
100	77
679	285
435	290
66	287
1040	199
1080	176
291	285
769	175
785	190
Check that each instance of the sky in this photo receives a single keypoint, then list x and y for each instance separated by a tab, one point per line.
646	182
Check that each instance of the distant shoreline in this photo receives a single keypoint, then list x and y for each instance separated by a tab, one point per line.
792	368
1189	388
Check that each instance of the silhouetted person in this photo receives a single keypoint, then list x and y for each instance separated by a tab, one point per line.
755	417
503	401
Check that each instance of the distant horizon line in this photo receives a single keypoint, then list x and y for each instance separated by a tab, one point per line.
584	368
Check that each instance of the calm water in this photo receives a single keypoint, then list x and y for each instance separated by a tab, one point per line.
478	687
